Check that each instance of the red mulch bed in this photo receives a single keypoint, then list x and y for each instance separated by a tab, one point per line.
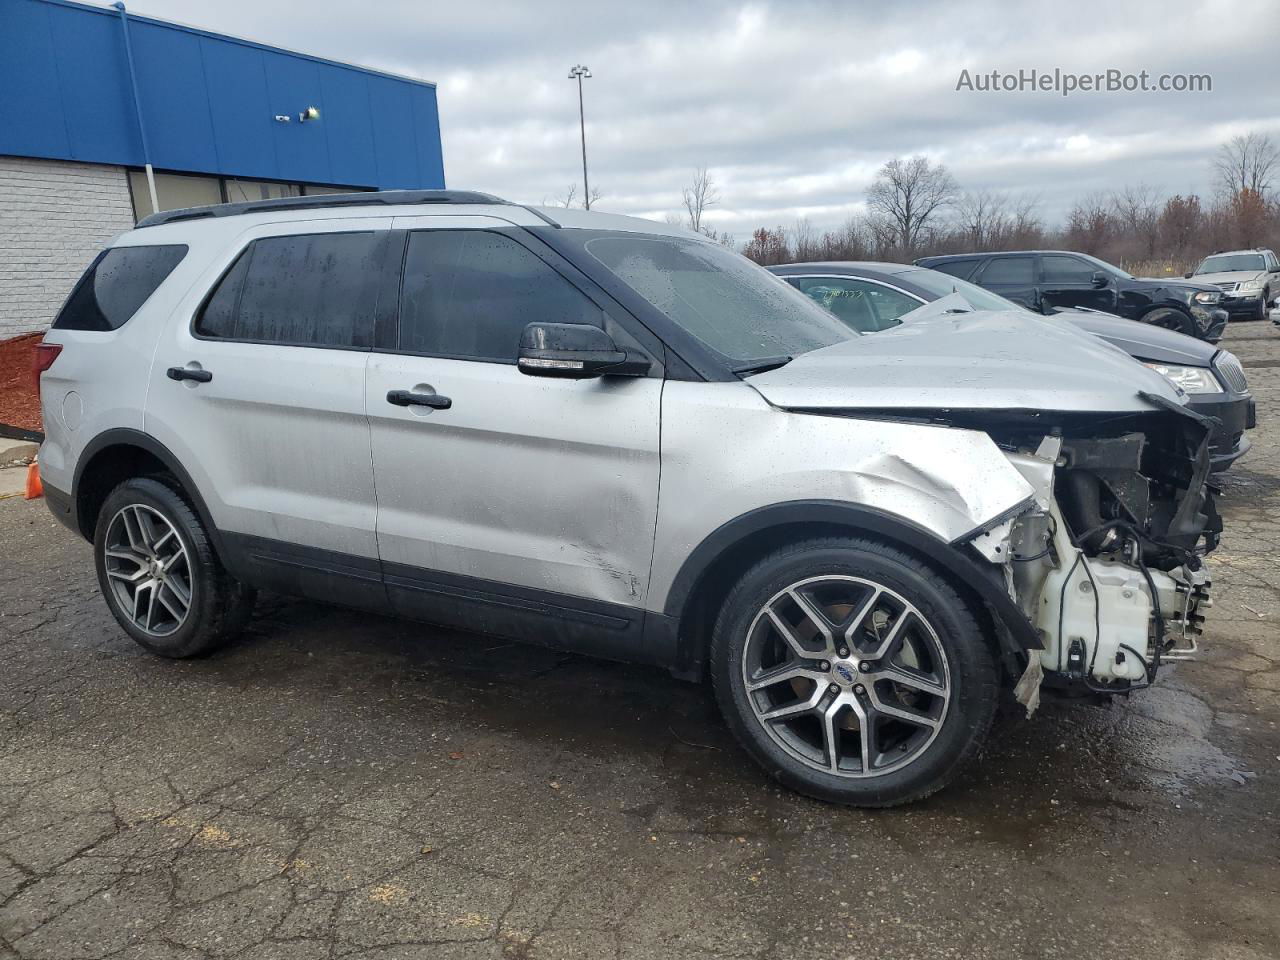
19	405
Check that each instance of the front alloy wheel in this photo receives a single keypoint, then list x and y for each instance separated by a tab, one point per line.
846	675
853	671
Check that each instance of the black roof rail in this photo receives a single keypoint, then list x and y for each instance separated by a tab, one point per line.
363	199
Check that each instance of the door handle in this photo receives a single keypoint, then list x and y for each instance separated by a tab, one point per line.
405	398
184	373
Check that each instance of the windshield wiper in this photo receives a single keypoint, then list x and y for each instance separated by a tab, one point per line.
759	366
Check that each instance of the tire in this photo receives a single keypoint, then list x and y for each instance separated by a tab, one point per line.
1171	318
835	580
1263	309
159	574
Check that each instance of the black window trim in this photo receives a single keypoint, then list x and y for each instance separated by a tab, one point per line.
607	306
381	251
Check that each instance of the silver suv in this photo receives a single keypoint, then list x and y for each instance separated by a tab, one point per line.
623	439
1250	280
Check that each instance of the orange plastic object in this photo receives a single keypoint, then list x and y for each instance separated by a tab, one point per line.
34	487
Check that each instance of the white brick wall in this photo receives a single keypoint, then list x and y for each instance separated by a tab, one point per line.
54	218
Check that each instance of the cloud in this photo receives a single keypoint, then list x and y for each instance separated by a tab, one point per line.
794	106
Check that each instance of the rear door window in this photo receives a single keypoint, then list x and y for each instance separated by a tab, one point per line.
1011	270
1060	269
317	290
117	283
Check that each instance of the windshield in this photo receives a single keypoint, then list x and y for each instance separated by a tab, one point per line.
736	308
1230	262
939	284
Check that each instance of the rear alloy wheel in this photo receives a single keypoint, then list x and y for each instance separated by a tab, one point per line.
159	574
853	673
149	569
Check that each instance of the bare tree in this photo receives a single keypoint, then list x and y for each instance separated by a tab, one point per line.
906	197
700	196
1137	208
1090	224
1247	162
566	199
1180	224
804	243
768	247
570	198
981	217
1249	217
1026	230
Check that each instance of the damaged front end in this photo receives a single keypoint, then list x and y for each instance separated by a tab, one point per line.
1108	564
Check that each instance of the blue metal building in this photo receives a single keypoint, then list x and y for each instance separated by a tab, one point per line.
90	96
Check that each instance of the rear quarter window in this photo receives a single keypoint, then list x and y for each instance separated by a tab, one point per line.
116	284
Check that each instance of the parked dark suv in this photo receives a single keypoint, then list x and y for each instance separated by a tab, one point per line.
1044	280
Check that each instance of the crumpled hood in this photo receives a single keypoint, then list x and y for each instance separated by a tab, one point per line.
985	360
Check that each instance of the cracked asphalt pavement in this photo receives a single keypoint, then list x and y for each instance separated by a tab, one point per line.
335	785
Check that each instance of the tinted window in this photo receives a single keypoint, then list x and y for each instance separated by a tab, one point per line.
956	268
720	297
116	285
314	289
865	306
470	293
1010	270
1058	269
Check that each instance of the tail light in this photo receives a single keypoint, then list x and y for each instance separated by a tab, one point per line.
43	359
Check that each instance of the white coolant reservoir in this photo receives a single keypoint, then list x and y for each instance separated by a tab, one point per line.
1094	614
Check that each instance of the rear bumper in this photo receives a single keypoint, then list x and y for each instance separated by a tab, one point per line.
62	506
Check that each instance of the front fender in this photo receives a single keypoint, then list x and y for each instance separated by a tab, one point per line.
983	579
728	455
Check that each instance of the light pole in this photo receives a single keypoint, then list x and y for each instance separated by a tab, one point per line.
579	72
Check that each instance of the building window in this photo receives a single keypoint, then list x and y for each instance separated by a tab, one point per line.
174	191
240	191
315	190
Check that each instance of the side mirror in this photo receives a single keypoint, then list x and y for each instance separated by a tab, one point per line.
1099	280
574	351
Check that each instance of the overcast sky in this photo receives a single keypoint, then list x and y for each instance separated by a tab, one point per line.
793	106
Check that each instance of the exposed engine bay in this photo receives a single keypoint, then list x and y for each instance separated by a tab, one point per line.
1108	564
